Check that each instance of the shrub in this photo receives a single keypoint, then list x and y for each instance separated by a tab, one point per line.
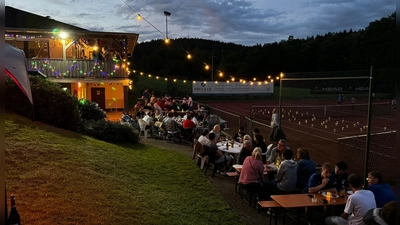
109	131
91	110
52	105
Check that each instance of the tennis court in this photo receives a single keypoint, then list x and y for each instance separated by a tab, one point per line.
315	125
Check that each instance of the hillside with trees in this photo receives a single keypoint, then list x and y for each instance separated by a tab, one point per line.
334	51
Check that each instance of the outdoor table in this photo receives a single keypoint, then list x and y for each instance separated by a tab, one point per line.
233	150
303	200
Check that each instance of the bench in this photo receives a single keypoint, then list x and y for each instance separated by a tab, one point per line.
236	175
269	205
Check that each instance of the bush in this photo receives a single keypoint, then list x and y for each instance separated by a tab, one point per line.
109	131
52	105
91	110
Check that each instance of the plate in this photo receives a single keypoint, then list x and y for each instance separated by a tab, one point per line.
332	195
350	192
237	166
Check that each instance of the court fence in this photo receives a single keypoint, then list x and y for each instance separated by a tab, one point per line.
382	154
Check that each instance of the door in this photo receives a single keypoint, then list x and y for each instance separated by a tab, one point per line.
99	96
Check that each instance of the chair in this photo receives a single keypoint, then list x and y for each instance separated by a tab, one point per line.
172	135
143	129
122	122
211	159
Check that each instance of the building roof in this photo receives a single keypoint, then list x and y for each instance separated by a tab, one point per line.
20	24
17	18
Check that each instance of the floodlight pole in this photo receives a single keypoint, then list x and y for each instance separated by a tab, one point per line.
212	66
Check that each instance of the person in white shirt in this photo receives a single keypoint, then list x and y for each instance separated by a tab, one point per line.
203	139
357	204
274	118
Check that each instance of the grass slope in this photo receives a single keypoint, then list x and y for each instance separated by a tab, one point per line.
60	177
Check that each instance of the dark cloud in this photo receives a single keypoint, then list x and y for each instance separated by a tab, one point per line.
246	22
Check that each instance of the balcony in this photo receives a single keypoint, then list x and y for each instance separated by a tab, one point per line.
80	68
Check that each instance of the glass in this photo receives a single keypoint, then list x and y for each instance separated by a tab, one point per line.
314	199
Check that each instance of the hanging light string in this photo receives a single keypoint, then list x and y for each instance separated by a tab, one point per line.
189	56
141	17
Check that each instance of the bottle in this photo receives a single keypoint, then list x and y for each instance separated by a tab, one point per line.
342	192
227	144
13	218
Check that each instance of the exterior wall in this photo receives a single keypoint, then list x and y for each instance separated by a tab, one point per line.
114	92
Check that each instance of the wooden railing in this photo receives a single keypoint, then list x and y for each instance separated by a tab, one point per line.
57	68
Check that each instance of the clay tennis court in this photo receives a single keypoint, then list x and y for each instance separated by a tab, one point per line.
309	124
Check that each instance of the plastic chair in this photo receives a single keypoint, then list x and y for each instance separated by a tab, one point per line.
143	129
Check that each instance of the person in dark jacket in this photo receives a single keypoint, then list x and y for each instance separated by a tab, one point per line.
382	191
305	167
381	216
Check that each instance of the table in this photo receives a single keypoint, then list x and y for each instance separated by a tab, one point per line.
235	150
303	201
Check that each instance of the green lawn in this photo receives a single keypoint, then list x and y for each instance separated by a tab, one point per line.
60	177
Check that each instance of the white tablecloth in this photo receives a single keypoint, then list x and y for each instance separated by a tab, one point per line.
235	150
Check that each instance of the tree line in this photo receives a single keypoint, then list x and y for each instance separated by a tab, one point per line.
333	51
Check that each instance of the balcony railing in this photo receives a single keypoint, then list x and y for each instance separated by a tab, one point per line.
57	68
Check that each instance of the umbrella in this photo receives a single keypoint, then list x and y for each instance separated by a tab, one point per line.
16	68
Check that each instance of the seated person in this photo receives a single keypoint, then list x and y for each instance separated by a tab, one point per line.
305	167
137	106
245	151
184	105
127	118
340	176
216	130
277	151
170	122
381	216
382	191
140	113
203	139
257	131
259	142
218	156
252	172
247	137
239	135
321	181
286	177
188	123
357	204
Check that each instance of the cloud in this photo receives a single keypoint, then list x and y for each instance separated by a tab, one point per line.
246	22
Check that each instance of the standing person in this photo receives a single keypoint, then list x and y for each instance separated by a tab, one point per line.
394	104
382	191
275	118
189	101
145	96
305	167
357	204
353	102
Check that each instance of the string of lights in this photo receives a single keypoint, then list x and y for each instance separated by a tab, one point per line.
189	55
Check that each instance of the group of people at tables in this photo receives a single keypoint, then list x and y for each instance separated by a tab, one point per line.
290	172
160	116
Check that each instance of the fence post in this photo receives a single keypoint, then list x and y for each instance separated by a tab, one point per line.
367	142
